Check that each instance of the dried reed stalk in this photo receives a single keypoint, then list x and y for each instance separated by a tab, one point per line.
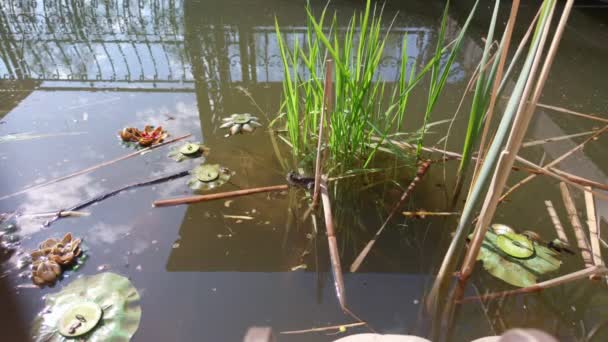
555	162
594	235
516	136
503	57
584	273
559	138
95	167
422	170
325	118
333	245
559	229
211	197
581	239
423	214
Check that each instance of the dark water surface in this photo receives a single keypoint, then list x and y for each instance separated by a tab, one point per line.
90	67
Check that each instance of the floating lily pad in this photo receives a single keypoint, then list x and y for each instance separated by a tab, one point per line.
103	307
188	151
497	252
208	176
240	123
516	245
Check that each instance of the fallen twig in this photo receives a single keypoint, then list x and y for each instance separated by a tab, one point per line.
559	229
419	174
221	195
581	239
571	112
115	192
593	231
584	273
95	167
333	327
62	213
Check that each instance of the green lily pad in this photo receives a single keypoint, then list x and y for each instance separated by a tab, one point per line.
208	176
103	307
516	271
188	151
516	245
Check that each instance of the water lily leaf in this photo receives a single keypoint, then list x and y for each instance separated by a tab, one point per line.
103	307
208	176
189	150
519	271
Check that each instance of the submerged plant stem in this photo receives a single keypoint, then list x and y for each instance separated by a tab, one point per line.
422	170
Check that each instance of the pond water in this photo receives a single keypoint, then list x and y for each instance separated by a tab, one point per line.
81	71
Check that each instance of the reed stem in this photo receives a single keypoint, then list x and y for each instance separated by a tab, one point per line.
581	239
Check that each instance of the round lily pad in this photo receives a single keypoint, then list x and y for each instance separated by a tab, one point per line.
106	305
190	149
516	245
514	270
208	176
79	319
241	118
207	173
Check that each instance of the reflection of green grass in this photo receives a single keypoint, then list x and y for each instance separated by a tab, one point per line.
364	105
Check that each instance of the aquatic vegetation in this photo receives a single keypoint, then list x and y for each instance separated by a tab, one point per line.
363	106
189	151
51	256
103	307
208	176
516	259
147	137
240	123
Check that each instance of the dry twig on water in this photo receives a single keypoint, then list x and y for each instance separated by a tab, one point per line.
594	235
423	214
581	239
422	170
95	167
333	327
211	197
584	273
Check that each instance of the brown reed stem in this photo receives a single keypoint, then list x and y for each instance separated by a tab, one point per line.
594	235
422	170
333	245
559	229
581	239
95	167
211	197
584	273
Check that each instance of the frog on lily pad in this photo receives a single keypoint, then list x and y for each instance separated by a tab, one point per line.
103	307
208	176
515	258
240	123
189	150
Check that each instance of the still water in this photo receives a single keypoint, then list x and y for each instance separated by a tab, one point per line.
90	68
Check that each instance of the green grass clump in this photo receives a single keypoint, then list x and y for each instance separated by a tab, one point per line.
365	106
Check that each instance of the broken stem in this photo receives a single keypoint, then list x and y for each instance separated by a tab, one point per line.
559	229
